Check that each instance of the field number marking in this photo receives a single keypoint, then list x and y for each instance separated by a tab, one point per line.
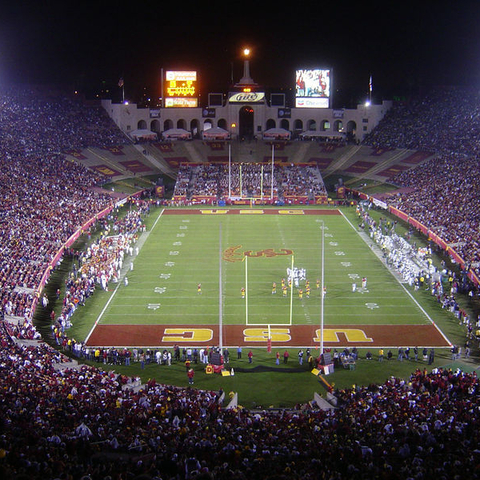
187	335
261	334
351	334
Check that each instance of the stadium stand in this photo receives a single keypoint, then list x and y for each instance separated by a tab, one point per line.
85	423
443	192
60	421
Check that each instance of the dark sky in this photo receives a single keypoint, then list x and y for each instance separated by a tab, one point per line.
83	43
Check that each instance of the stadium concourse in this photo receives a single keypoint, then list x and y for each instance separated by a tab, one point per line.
60	422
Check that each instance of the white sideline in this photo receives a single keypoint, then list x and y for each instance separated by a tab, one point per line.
400	283
143	238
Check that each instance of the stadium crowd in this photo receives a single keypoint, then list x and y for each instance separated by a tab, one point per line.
248	180
416	268
445	198
45	198
443	120
84	423
444	193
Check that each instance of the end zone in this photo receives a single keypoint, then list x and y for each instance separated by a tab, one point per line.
335	336
245	211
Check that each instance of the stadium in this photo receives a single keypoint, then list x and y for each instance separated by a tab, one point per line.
241	289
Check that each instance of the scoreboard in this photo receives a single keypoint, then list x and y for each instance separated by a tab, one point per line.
181	89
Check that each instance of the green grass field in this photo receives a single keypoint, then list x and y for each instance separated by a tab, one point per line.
180	251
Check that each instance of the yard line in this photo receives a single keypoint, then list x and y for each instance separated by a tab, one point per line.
364	238
141	241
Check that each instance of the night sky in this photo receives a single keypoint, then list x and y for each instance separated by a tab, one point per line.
84	44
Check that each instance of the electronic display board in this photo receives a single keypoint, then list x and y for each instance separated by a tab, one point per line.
313	88
181	89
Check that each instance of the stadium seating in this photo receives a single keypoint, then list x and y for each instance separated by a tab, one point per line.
78	423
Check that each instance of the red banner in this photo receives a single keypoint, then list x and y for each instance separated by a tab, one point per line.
419	226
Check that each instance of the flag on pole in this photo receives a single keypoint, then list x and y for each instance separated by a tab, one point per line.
121	83
370	84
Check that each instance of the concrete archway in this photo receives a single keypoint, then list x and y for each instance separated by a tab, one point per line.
246	124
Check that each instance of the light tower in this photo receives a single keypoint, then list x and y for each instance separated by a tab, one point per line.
246	81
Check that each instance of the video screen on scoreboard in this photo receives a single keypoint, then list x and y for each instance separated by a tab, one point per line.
313	88
181	89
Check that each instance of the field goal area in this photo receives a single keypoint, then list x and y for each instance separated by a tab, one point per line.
291	277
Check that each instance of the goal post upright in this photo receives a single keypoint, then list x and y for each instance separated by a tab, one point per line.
269	324
291	293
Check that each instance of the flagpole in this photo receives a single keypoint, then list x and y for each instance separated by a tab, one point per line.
370	87
121	84
162	92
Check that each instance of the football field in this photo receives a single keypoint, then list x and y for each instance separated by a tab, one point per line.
214	277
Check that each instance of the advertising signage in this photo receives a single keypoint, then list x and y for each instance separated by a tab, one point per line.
247	97
313	88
